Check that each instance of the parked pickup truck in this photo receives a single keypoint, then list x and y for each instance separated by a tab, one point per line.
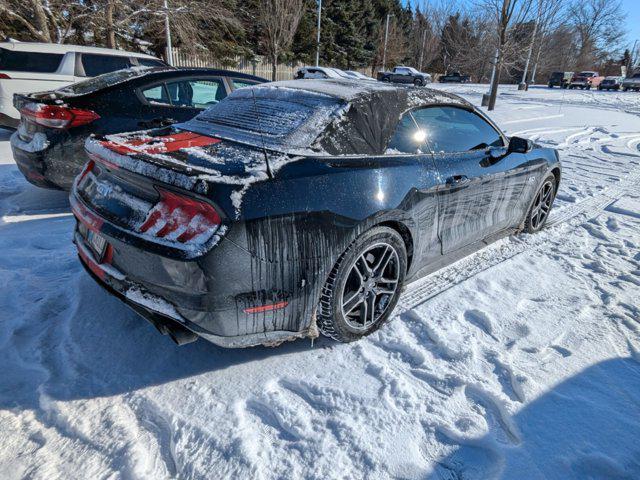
402	74
586	80
454	77
632	82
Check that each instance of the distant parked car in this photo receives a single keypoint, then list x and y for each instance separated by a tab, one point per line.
402	74
611	83
560	79
49	143
30	67
631	83
321	72
454	77
358	75
586	80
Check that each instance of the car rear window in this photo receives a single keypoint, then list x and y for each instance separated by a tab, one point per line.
98	64
279	117
38	62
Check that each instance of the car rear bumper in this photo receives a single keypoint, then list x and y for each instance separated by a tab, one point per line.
32	165
53	164
207	296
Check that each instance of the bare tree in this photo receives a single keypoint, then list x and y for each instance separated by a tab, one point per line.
279	20
507	13
44	20
598	27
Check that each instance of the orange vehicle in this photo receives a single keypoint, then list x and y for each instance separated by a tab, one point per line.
586	80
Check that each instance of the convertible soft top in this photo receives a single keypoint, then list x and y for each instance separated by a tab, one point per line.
327	116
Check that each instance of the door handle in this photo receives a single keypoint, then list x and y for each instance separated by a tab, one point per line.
457	180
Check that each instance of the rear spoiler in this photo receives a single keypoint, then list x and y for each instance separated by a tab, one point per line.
21	99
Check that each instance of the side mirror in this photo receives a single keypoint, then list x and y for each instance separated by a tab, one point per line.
519	145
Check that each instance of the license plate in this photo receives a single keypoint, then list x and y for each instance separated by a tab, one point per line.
98	244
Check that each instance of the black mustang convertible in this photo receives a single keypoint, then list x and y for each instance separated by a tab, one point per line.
301	205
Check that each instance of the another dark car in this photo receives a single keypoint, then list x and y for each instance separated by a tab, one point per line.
560	79
454	77
300	205
49	143
611	83
631	82
402	74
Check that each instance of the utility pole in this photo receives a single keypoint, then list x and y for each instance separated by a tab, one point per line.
424	39
318	36
386	35
167	30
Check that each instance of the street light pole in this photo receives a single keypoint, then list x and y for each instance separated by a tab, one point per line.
318	36
167	30
386	35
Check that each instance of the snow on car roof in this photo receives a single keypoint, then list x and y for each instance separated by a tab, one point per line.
350	90
64	48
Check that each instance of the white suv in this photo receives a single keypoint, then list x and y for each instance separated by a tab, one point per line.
30	67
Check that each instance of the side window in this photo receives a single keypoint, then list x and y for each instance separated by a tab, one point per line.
196	93
17	61
408	137
157	94
241	83
94	65
149	62
451	129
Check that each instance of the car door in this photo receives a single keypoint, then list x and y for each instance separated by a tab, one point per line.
408	141
180	100
479	185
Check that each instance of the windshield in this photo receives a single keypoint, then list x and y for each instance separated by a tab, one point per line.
280	118
101	81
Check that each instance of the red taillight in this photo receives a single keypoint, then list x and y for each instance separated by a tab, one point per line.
4	76
182	219
55	116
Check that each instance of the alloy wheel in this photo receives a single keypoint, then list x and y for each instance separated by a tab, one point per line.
542	205
370	285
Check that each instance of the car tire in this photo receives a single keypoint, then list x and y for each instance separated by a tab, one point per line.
540	208
550	86
600	88
354	276
385	79
418	83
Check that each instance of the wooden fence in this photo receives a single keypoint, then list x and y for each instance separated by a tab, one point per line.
260	66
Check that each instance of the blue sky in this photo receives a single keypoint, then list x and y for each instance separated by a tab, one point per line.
632	8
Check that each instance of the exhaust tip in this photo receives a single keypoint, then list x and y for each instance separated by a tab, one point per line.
182	336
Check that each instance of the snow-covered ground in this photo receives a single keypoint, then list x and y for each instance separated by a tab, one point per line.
521	361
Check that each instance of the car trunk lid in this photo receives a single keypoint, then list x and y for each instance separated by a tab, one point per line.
156	185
